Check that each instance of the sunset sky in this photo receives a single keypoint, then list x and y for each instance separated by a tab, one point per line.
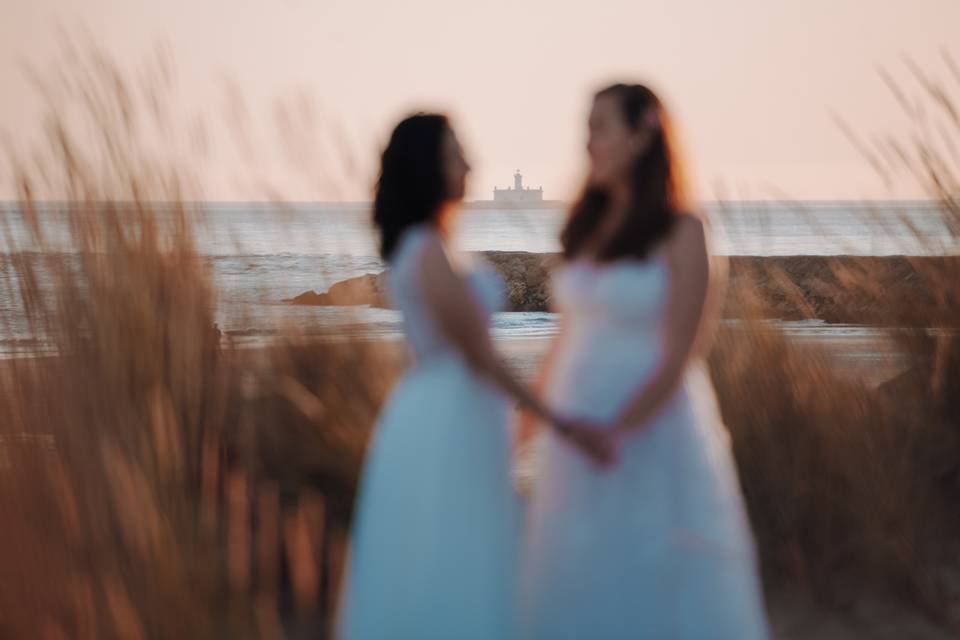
752	83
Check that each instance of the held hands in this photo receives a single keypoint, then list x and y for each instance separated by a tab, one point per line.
598	442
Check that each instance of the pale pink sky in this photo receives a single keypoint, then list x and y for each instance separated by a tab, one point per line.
751	82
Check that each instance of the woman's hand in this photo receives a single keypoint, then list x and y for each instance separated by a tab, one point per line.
526	431
595	441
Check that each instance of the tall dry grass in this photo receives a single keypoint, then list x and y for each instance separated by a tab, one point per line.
853	489
153	483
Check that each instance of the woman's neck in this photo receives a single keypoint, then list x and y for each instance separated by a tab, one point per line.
445	219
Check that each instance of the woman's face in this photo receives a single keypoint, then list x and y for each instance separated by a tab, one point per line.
455	167
613	145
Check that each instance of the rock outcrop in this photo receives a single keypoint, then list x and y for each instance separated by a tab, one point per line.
841	289
873	290
526	277
366	289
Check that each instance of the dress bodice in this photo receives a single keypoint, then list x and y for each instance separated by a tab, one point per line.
625	298
613	338
423	334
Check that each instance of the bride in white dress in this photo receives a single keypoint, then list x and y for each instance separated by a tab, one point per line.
436	528
644	535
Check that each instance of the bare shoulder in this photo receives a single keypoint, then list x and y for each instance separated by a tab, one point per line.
428	248
690	227
689	236
428	258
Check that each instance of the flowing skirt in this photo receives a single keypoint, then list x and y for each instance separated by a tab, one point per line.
436	526
658	546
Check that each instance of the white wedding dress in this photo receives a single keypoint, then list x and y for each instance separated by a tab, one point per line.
658	546
437	520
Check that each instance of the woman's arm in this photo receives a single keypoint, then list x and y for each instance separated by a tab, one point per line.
528	422
459	317
689	277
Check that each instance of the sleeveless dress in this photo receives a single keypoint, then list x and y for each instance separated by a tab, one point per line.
437	520
659	545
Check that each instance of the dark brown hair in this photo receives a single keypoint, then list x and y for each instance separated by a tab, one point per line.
657	191
411	187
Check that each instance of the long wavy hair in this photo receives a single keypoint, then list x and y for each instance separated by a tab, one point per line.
411	188
658	190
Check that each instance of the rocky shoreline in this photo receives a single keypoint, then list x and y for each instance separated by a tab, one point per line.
836	289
